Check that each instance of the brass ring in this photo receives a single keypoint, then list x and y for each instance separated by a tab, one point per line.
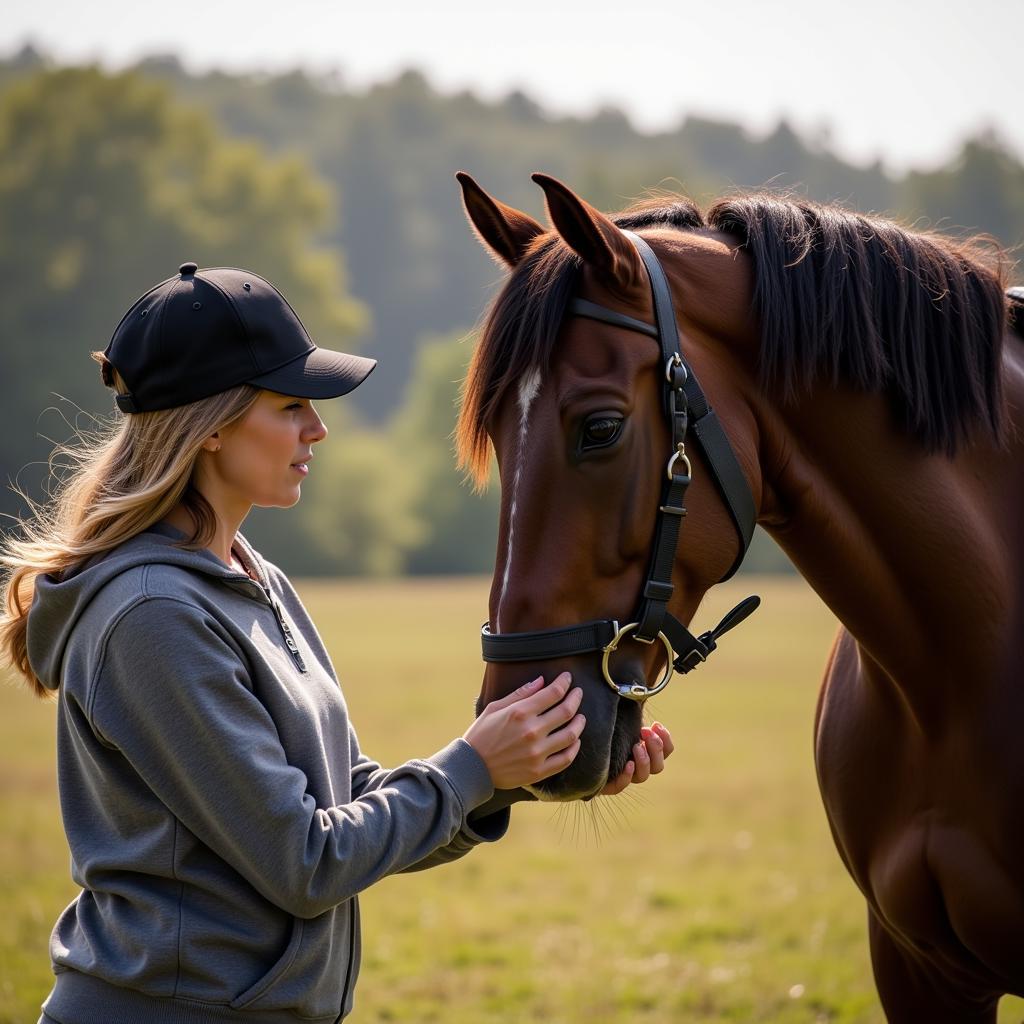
636	691
680	454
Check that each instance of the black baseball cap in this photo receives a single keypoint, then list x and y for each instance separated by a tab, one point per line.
205	331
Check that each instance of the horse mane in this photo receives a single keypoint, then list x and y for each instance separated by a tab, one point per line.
843	297
861	301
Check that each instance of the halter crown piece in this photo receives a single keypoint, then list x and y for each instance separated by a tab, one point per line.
689	416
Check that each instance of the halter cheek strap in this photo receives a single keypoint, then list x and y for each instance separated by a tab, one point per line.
689	416
692	404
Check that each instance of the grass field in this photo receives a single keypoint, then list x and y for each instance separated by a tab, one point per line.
712	893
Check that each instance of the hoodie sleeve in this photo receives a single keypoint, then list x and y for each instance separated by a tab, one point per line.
172	694
487	823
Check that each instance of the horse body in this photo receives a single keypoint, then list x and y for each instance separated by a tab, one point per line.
917	733
917	552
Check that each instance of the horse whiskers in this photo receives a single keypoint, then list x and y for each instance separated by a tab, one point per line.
562	817
596	819
602	818
613	812
613	807
572	818
589	816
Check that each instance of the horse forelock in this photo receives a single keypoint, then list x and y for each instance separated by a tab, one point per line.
516	339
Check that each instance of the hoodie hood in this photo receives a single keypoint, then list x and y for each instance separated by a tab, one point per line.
59	603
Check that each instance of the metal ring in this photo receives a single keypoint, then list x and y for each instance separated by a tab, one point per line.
674	360
636	691
680	453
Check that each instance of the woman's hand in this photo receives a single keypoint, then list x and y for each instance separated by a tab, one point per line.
530	734
648	758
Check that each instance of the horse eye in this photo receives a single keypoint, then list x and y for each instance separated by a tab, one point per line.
601	432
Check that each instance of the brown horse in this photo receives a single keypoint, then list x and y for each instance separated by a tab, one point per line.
873	395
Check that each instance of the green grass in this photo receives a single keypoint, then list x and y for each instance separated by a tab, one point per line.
712	893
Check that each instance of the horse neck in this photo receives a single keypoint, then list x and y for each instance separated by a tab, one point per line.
916	554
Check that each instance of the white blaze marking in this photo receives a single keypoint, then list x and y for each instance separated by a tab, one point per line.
528	388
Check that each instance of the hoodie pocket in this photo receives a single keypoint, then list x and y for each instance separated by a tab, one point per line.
253	992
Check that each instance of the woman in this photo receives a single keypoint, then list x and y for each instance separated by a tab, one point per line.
220	814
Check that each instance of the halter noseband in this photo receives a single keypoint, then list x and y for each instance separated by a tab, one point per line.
689	414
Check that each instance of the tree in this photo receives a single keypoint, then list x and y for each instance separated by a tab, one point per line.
982	190
106	185
459	527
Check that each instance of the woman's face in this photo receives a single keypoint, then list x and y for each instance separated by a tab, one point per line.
263	457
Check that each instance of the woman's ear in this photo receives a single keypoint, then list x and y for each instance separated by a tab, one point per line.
504	230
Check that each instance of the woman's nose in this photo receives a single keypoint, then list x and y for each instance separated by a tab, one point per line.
315	430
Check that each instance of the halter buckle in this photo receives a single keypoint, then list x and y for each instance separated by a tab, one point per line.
675	362
689	661
636	691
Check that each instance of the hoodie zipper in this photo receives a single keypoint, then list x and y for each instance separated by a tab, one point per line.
353	935
282	622
286	632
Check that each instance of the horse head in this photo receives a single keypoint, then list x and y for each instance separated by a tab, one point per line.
573	403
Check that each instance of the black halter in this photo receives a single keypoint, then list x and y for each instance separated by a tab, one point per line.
688	414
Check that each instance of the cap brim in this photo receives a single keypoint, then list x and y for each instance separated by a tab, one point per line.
318	373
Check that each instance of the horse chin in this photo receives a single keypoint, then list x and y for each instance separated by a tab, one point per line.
613	726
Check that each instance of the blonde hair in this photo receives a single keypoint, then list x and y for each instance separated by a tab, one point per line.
125	475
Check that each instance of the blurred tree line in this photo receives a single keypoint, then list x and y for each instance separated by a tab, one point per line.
346	200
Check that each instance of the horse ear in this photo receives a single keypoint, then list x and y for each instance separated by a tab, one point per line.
592	235
503	229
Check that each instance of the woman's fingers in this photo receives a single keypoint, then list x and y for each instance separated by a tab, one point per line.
562	759
665	736
534	697
520	740
655	748
547	697
643	762
553	742
536	734
648	759
555	717
524	691
621	781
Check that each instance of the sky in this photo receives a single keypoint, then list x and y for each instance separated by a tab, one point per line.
904	81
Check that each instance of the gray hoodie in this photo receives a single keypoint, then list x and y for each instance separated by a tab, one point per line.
220	814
